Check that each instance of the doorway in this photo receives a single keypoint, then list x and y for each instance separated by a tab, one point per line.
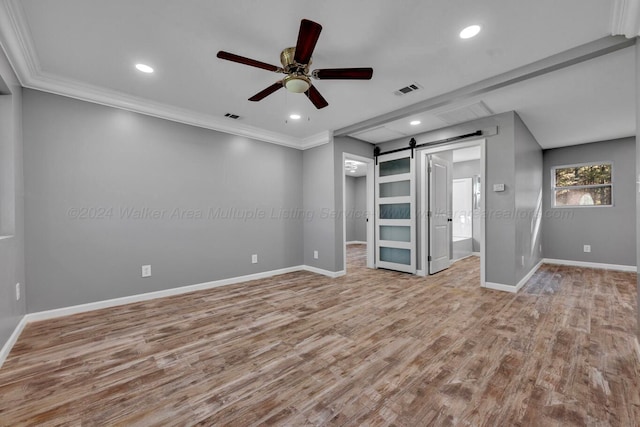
452	174
358	207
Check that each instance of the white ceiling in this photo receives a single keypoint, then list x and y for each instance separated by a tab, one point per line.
88	48
587	102
355	168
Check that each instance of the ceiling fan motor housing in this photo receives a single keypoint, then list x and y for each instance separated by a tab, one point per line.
297	80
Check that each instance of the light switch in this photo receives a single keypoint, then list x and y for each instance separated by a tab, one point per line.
498	187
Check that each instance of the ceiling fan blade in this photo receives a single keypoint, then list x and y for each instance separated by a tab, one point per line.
247	61
266	92
343	74
315	97
307	39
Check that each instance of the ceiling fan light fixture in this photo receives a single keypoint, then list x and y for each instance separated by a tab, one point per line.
296	83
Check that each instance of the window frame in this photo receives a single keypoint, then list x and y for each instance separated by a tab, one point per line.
555	188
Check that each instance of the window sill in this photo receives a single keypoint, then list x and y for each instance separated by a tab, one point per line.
582	206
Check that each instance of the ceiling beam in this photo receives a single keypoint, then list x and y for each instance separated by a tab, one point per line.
552	63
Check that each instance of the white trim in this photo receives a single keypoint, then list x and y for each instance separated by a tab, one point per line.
83	308
356	242
625	19
370	207
555	188
6	348
500	287
316	140
528	276
421	273
475	253
66	311
19	48
516	288
630	268
332	274
453	261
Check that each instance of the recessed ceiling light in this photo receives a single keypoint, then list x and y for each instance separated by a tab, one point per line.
415	122
295	116
470	31
144	68
353	171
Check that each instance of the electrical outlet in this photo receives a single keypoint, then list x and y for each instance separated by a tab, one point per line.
17	291
315	254
146	271
587	248
254	259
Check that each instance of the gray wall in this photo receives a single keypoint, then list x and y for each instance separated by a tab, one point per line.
319	204
355	208
637	177
609	230
361	209
11	203
108	191
528	180
344	144
469	169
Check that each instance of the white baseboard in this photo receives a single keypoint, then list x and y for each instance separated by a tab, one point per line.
421	273
76	309
82	308
630	268
475	253
526	278
332	274
500	287
6	348
511	288
356	242
66	311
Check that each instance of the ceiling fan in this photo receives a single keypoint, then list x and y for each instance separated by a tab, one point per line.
295	64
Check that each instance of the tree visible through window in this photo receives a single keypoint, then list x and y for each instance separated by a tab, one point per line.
583	185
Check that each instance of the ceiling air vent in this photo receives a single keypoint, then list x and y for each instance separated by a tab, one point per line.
408	89
232	116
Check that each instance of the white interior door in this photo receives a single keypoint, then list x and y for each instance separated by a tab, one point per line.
395	212
439	215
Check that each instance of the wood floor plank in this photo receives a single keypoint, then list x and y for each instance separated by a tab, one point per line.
374	347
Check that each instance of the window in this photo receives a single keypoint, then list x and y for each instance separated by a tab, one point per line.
583	185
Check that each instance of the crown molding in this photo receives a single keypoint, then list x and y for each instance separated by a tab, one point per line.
316	140
625	19
15	40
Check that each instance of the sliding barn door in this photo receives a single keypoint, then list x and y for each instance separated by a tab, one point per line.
395	212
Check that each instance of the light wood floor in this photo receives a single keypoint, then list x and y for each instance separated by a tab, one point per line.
371	348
